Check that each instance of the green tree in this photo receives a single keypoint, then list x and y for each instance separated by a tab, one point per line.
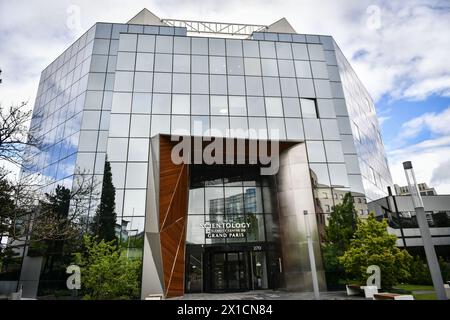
338	233
373	245
104	223
105	273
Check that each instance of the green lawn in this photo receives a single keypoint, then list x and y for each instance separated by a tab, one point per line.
412	287
430	296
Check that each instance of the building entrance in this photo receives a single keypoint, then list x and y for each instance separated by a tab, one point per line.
229	271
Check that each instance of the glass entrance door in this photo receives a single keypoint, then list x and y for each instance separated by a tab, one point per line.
229	271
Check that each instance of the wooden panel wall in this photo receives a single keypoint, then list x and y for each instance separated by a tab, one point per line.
173	199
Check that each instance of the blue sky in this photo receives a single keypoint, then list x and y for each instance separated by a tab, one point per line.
399	49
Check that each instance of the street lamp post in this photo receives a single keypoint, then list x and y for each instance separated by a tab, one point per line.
430	253
312	259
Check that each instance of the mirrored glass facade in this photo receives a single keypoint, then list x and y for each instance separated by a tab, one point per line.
119	86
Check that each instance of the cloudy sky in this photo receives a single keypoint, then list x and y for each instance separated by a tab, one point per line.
399	49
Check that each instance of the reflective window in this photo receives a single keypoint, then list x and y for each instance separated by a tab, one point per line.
269	67
276	128
146	43
121	102
181	104
143	81
127	42
98	63
300	52
117	149
200	104
251	48
200	83
236	85
308	108
234	47
286	68
125	61
338	174
214	203
144	62
123	81
326	108
136	175
319	69
219	126
118	174
330	129
140	125
334	151
267	49
181	63
256	106
302	69
162	82
235	65
291	107
323	89
252	66
306	88
312	129
316	52
199	125
219	105
134	205
294	129
97	81
321	173
316	152
274	107
254	86
160	124
141	102
181	125
284	50
199	45
119	124
217	47
163	62
88	141
217	65
181	83
271	86
164	44
218	84
257	128
239	127
161	103
238	106
288	87
138	149
91	120
199	64
182	45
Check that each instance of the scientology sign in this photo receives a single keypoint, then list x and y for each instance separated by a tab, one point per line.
225	229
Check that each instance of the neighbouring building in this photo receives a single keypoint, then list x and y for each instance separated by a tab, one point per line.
401	216
424	190
121	92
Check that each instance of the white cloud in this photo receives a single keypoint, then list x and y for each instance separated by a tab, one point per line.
435	122
430	162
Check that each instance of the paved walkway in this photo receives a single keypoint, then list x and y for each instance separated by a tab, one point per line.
269	295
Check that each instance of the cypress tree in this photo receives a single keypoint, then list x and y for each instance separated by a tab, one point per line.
104	222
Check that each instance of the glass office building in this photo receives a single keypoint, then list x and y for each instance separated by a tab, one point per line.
122	91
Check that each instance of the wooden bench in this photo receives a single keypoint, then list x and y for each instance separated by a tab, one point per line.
392	296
